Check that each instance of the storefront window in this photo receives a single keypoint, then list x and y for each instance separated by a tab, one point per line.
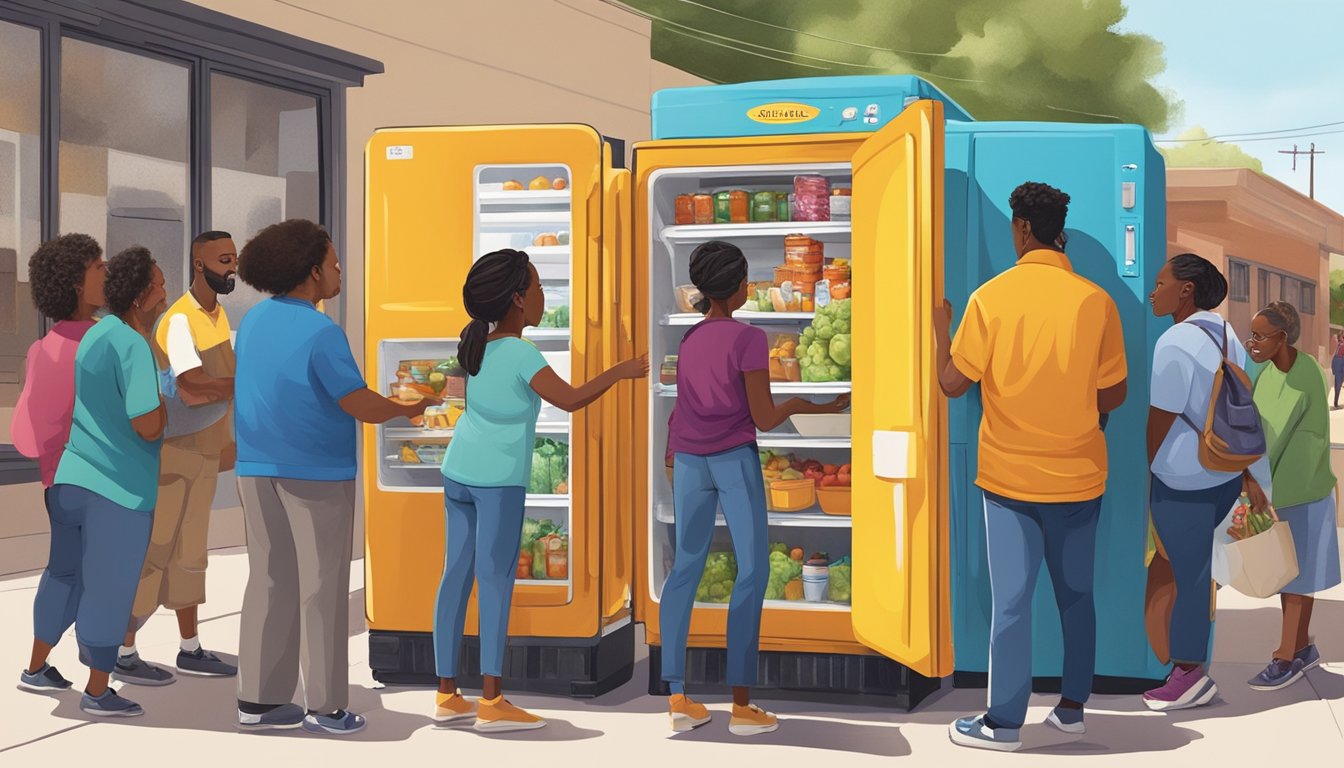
125	138
264	164
20	203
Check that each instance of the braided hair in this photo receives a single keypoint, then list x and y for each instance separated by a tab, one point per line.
488	296
1210	285
718	270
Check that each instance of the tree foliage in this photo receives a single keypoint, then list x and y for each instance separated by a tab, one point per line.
1336	298
1197	150
1056	60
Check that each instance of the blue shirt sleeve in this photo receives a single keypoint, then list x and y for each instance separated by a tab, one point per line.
1173	376
530	361
332	365
140	376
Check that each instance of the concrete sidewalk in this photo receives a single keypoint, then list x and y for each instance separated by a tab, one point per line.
191	723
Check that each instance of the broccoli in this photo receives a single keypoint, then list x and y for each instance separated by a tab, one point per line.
783	569
716	583
840	583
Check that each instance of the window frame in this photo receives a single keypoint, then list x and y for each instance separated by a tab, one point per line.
1238	272
207	42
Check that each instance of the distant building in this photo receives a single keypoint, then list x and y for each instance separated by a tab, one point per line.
1272	242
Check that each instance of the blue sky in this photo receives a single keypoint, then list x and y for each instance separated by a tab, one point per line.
1241	66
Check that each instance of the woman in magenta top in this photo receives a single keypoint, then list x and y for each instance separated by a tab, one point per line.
67	276
723	398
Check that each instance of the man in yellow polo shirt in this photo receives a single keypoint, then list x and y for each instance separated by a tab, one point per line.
1047	349
194	348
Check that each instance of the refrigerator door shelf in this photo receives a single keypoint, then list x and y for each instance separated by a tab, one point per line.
780	388
825	231
806	519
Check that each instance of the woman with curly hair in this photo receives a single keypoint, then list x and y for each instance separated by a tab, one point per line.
1290	394
66	275
102	498
297	397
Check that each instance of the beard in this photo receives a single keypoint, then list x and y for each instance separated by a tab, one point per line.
218	284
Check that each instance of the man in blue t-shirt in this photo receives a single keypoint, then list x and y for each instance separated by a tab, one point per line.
297	397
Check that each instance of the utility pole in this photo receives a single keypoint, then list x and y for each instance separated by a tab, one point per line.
1311	163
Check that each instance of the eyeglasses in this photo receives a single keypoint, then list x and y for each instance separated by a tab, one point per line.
1257	337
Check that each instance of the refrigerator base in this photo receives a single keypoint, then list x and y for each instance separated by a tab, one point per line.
821	677
581	668
1102	684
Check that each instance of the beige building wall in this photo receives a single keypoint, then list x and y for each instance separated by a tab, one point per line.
446	62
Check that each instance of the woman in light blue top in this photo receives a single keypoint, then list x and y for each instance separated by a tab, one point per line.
486	471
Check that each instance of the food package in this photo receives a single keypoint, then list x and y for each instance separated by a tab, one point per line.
794	590
839	586
812	198
687	296
557	556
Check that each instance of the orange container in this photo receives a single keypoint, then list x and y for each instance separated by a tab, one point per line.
703	208
792	495
835	500
783	275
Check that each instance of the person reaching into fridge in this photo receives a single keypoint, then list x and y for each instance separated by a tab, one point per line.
1047	348
1290	395
485	475
723	398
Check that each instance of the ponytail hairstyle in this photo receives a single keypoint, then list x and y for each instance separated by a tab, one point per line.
718	270
488	296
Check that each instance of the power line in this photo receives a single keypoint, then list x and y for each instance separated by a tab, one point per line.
1311	157
1256	133
1212	140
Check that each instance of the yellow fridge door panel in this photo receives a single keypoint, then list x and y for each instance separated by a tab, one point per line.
900	569
617	411
423	232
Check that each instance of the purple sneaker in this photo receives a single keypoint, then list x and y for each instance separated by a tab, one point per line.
1183	690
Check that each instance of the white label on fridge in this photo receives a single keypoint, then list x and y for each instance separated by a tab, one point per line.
400	152
1130	246
892	455
1128	193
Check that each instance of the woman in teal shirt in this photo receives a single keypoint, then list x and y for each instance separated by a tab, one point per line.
486	470
1291	397
106	485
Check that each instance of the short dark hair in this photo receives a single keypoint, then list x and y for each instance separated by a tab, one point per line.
202	239
280	257
1283	316
128	275
56	269
718	269
1042	206
1210	285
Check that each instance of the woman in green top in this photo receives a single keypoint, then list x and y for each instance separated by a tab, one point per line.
1291	397
486	470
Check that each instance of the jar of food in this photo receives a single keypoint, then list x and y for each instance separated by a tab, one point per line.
806	300
739	206
792	371
667	374
704	208
722	208
812	196
763	206
685	210
840	203
782	207
840	289
833	272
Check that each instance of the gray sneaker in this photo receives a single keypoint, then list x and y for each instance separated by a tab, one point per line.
204	663
1309	657
972	732
136	671
44	680
341	723
283	716
1279	674
110	704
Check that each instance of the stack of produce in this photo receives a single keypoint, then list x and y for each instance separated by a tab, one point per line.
786	571
1248	522
841	576
550	468
716	583
544	551
824	352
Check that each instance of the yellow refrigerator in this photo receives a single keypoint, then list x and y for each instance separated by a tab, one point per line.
889	635
437	198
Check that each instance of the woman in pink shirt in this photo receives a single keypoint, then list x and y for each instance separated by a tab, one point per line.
67	276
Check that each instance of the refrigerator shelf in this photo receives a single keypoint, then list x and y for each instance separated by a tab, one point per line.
394	464
817	519
780	388
524	217
792	605
418	433
763	318
525	197
695	233
767	440
547	500
541	582
547	334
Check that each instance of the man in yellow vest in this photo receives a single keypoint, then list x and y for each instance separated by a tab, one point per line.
195	355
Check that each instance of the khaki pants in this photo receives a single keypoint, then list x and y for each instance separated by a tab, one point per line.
297	604
174	571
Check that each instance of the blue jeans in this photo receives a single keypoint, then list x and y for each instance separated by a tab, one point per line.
97	548
1337	368
701	485
1185	522
1020	534
483	527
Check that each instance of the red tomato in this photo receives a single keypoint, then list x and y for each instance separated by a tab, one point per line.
829	481
830	469
843	477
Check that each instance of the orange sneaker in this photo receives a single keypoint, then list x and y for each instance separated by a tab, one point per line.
751	720
451	707
686	714
497	715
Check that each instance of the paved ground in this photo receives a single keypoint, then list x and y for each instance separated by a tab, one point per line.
191	722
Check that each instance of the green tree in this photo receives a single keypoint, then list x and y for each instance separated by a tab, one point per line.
1337	297
1197	150
1057	60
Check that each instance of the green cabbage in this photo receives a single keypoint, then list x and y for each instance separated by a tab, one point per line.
716	583
783	569
840	583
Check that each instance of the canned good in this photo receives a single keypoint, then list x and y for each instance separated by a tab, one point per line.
722	209
782	207
685	210
840	203
704	208
763	206
739	206
667	374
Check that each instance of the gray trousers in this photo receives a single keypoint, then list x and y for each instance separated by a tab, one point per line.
297	604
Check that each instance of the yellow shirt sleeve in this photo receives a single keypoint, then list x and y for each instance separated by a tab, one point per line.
972	345
1111	366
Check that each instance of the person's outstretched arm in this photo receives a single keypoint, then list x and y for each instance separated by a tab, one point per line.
550	387
767	415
